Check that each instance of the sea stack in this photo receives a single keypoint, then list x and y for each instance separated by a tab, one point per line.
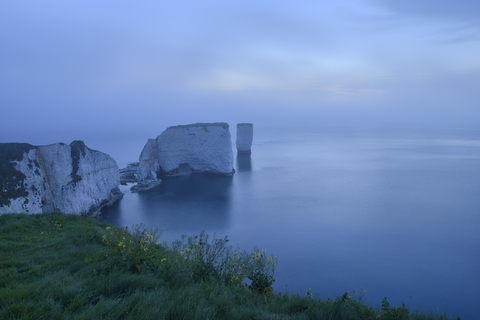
199	147
244	137
57	177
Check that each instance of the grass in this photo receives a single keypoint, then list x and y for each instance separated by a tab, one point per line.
57	266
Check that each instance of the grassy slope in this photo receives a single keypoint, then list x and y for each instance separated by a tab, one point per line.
50	269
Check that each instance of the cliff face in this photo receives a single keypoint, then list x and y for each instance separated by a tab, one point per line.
200	147
58	177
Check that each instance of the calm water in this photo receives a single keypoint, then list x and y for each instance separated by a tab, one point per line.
396	213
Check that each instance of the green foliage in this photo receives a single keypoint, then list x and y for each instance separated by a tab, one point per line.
129	248
77	150
261	271
197	258
133	164
11	180
392	313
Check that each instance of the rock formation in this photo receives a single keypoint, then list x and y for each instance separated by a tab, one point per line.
57	177
199	147
244	137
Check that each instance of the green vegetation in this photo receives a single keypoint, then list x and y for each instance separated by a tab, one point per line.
57	266
204	125
133	164
11	183
78	149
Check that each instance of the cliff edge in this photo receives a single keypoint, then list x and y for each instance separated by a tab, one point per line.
57	177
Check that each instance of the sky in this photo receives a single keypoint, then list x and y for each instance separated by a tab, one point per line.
111	69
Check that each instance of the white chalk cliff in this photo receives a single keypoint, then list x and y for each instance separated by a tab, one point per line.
199	147
58	177
244	137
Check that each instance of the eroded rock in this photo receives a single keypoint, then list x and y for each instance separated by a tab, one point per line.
199	147
57	177
244	137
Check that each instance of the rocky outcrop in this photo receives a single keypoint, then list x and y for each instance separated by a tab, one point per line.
199	147
244	137
58	177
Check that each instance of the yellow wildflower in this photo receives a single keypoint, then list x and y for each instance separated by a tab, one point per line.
264	250
108	228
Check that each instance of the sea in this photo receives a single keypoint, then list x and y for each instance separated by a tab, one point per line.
394	211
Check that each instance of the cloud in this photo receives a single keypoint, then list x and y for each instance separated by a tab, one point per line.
196	58
436	9
340	90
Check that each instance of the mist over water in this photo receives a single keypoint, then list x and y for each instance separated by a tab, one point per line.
396	212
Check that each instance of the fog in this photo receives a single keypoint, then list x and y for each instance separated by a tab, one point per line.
117	69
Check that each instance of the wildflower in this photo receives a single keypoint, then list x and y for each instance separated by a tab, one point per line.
269	259
195	244
264	250
108	228
120	244
157	243
163	260
185	258
181	252
276	257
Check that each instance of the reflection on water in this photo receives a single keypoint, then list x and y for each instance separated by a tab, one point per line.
183	203
243	162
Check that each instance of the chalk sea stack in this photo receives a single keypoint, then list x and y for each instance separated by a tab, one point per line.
199	147
244	137
57	177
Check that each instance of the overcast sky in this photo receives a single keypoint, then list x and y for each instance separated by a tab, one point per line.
73	68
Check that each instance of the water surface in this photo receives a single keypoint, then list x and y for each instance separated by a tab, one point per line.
394	212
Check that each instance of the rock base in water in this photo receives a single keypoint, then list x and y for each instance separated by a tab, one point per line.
145	186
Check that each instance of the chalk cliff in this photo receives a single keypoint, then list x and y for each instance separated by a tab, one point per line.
58	177
199	147
244	137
